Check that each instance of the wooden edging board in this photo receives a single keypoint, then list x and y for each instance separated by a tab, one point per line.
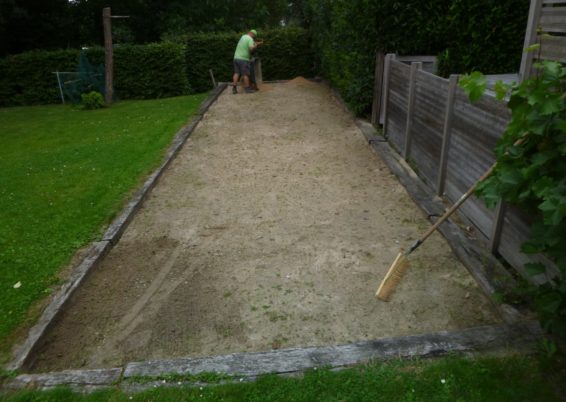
24	353
515	335
521	337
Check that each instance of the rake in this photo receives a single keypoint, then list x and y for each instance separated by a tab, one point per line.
402	263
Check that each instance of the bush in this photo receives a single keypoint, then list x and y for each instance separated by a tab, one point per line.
92	100
150	71
467	34
141	72
28	79
478	40
286	53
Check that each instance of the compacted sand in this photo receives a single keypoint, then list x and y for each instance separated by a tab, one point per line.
272	228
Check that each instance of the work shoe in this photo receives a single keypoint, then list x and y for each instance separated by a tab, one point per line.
250	90
234	90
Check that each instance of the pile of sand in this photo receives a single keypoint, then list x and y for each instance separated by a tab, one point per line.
300	81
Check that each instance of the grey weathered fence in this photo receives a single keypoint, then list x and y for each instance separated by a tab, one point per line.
449	141
546	27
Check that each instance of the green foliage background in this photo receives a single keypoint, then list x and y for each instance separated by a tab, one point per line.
141	72
286	53
155	70
531	161
466	34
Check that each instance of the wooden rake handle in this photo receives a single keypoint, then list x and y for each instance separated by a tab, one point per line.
454	207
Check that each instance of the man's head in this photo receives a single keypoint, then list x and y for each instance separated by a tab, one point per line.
253	33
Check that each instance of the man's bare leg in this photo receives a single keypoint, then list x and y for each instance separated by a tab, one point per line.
235	79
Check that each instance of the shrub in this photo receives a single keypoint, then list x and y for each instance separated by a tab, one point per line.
467	34
150	71
141	72
28	79
286	53
92	100
531	161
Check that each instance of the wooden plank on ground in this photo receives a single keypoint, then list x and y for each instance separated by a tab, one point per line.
493	338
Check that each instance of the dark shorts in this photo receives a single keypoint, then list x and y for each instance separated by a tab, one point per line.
241	67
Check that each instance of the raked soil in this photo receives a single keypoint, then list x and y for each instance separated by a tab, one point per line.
272	228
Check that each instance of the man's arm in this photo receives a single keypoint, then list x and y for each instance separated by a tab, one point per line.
256	45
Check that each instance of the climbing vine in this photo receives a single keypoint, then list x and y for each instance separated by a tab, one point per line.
531	174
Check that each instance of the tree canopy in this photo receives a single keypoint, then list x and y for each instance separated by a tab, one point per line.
51	24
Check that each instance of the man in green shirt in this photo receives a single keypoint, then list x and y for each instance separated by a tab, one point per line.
242	58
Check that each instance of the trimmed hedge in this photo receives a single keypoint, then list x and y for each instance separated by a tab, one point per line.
28	79
286	53
141	72
467	34
151	71
156	70
489	40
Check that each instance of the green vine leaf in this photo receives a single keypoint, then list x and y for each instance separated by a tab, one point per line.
474	85
534	269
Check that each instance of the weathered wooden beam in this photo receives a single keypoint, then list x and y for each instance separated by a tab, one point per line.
530	39
108	55
377	88
487	338
385	96
447	133
495	237
410	107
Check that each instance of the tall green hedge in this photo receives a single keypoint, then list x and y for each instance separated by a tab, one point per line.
156	70
141	72
286	53
467	34
28	79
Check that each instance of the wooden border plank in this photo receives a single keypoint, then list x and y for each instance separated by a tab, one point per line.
523	335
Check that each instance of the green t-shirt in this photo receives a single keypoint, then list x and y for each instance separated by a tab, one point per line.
243	48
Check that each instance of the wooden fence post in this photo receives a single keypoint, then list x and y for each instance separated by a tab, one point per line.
377	88
108	55
530	39
212	78
447	133
384	99
411	106
497	227
258	72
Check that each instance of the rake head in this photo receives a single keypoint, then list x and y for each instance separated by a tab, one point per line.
393	277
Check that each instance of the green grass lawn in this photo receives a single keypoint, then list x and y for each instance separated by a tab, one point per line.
451	379
64	174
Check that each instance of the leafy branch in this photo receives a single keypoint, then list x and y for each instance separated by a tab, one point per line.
531	174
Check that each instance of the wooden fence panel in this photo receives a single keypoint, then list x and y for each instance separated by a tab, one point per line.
397	103
515	231
553	19
546	26
553	48
428	124
475	130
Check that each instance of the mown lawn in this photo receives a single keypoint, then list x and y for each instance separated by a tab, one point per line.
449	379
64	174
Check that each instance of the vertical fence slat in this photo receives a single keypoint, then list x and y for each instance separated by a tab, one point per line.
411	106
496	230
385	97
377	88
530	39
447	132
